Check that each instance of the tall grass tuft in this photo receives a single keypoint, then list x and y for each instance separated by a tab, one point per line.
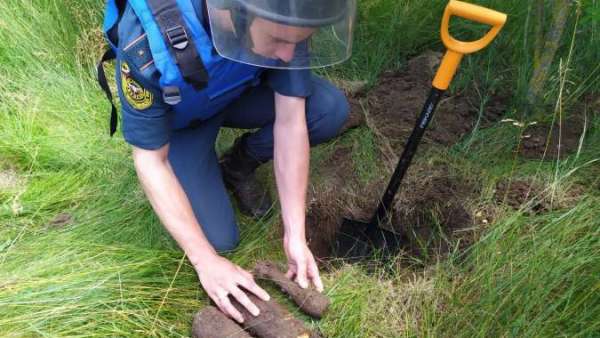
531	277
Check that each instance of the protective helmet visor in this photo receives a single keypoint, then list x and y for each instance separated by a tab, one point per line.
286	34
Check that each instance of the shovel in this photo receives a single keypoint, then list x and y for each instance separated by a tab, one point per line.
357	240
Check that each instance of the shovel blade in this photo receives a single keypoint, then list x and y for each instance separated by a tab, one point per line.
358	240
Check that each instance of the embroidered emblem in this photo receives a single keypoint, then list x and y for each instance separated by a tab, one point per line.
136	95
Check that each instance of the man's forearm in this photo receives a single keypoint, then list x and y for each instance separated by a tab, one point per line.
171	204
291	162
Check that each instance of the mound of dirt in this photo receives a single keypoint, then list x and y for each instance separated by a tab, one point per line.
521	194
532	198
552	141
395	103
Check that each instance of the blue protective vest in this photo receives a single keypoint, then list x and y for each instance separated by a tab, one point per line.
227	79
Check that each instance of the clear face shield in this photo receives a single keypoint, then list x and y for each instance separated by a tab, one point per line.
286	34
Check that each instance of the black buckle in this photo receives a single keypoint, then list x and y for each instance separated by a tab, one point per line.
178	37
171	95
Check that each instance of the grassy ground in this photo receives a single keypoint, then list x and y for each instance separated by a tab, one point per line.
113	271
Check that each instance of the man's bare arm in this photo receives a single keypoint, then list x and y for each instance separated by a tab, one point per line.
171	203
291	162
218	276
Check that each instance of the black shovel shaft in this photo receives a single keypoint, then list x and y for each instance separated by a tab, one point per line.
410	149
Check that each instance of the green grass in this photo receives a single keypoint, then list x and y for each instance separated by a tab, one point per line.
532	277
114	271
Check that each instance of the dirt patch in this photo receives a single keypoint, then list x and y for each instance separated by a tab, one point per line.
429	212
395	103
533	198
593	102
552	141
61	220
326	198
322	221
519	194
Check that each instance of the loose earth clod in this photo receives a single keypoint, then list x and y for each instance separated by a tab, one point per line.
547	141
309	300
212	323
61	220
274	321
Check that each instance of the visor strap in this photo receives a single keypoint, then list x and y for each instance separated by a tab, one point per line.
242	20
179	42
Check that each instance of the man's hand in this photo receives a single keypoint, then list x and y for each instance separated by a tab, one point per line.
301	263
220	278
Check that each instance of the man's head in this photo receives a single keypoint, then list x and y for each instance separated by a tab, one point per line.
283	33
276	41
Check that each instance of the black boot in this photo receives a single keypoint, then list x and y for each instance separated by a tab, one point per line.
238	169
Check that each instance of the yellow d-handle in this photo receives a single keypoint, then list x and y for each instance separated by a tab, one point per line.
456	48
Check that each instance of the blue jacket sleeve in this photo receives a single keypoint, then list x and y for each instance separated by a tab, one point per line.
296	82
290	82
146	119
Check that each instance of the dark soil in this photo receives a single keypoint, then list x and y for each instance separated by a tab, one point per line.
210	322
552	141
274	320
61	220
331	198
521	194
530	197
395	103
592	100
309	300
430	210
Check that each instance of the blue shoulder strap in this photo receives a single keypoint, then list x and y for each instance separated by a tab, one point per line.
183	49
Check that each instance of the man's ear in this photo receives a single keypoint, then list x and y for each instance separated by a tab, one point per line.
222	4
242	20
223	19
